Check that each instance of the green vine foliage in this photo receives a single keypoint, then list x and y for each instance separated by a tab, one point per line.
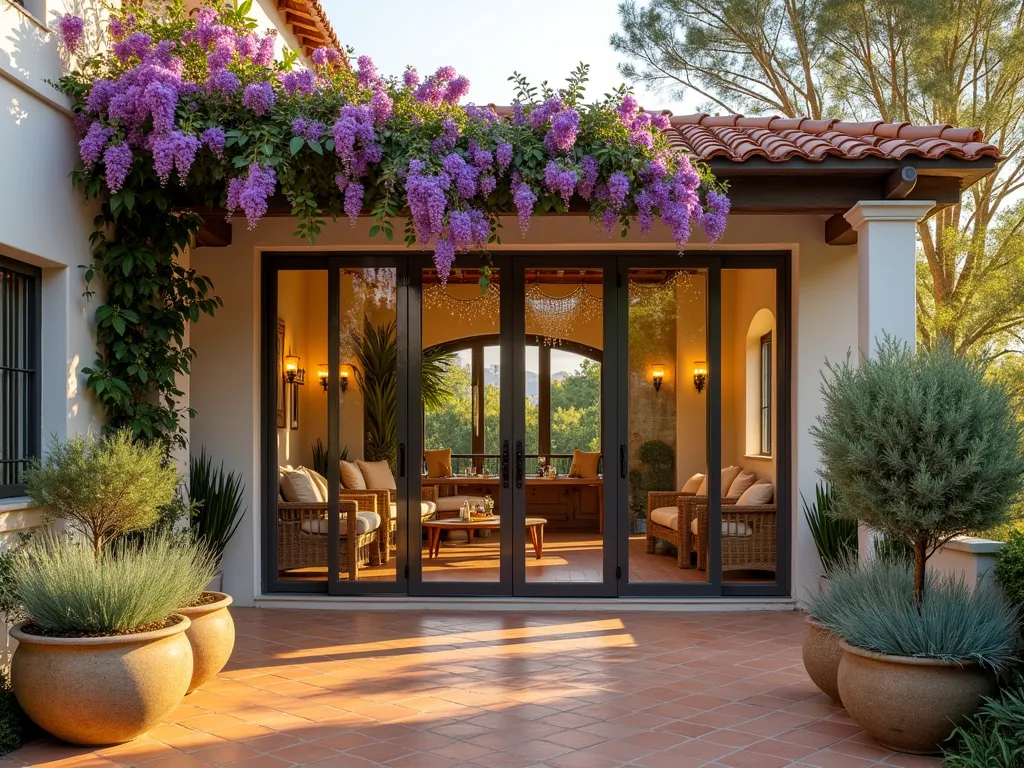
150	298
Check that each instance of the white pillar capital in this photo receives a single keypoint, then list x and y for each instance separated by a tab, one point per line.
888	210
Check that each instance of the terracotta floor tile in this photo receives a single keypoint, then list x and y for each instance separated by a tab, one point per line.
502	690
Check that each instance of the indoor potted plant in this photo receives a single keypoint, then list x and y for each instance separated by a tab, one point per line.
216	497
922	448
103	629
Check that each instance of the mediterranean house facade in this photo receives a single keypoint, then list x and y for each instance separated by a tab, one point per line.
704	366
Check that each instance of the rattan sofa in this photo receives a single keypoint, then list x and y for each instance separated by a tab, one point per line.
749	533
302	537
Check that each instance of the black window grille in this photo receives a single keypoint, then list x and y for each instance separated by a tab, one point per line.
19	373
766	394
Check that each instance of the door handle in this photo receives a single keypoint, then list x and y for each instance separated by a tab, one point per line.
504	464
622	462
401	459
519	463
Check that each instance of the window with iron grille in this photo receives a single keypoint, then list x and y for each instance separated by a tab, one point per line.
766	394
19	373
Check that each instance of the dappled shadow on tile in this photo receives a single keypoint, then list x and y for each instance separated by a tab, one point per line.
435	689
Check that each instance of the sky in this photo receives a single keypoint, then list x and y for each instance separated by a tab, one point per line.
486	41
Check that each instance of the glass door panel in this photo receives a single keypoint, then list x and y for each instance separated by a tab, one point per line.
749	433
461	408
302	546
560	409
366	379
669	426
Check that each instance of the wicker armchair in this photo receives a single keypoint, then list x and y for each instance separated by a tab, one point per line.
382	501
300	544
680	536
748	535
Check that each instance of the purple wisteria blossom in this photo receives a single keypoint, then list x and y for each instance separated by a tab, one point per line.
503	154
94	142
618	188
541	114
259	97
564	127
428	200
560	181
251	193
354	139
444	257
353	201
118	160
303	82
72	30
223	81
324	57
213	139
590	167
367	72
456	90
137	44
381	106
524	199
411	78
713	221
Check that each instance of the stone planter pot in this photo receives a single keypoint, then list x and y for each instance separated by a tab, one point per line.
101	690
212	636
909	704
822	653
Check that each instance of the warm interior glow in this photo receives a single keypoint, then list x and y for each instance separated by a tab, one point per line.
321	371
291	363
700	368
658	372
344	375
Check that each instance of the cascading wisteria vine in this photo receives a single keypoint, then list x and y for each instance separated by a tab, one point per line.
182	111
200	97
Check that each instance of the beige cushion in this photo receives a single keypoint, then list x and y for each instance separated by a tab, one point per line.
439	463
377	475
728	528
365	522
757	494
584	464
454	503
298	486
427	508
693	484
728	475
743	481
666	516
318	480
351	477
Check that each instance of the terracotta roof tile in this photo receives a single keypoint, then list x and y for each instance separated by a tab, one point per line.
308	20
738	138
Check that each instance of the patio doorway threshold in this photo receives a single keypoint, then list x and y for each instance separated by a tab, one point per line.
521	604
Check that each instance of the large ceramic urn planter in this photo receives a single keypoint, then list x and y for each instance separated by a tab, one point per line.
822	653
101	690
910	704
212	635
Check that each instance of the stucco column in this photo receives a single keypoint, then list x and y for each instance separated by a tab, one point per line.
887	280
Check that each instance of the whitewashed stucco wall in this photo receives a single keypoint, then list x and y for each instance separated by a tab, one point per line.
225	387
45	222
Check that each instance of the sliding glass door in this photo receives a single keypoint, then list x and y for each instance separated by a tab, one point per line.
576	425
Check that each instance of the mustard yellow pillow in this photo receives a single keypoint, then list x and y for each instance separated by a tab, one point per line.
584	464
439	463
377	475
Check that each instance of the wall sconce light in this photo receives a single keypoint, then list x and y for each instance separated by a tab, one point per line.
295	375
344	380
657	376
323	374
700	375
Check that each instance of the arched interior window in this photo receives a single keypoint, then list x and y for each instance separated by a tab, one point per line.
563	402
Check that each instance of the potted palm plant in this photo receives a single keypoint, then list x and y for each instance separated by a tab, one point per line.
216	498
921	447
102	623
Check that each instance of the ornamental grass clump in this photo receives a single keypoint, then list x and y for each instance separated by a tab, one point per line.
872	606
103	486
67	591
919	446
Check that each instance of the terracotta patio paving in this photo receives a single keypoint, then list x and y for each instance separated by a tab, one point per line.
502	690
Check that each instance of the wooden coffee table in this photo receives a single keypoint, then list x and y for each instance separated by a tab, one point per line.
535	526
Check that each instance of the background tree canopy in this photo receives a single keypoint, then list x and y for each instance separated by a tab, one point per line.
921	61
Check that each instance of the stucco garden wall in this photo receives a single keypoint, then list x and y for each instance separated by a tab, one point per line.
225	386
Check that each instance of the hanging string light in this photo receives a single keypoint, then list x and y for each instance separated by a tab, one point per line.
555	317
482	307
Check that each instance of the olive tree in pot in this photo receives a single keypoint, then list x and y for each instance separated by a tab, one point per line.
922	448
216	499
103	625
